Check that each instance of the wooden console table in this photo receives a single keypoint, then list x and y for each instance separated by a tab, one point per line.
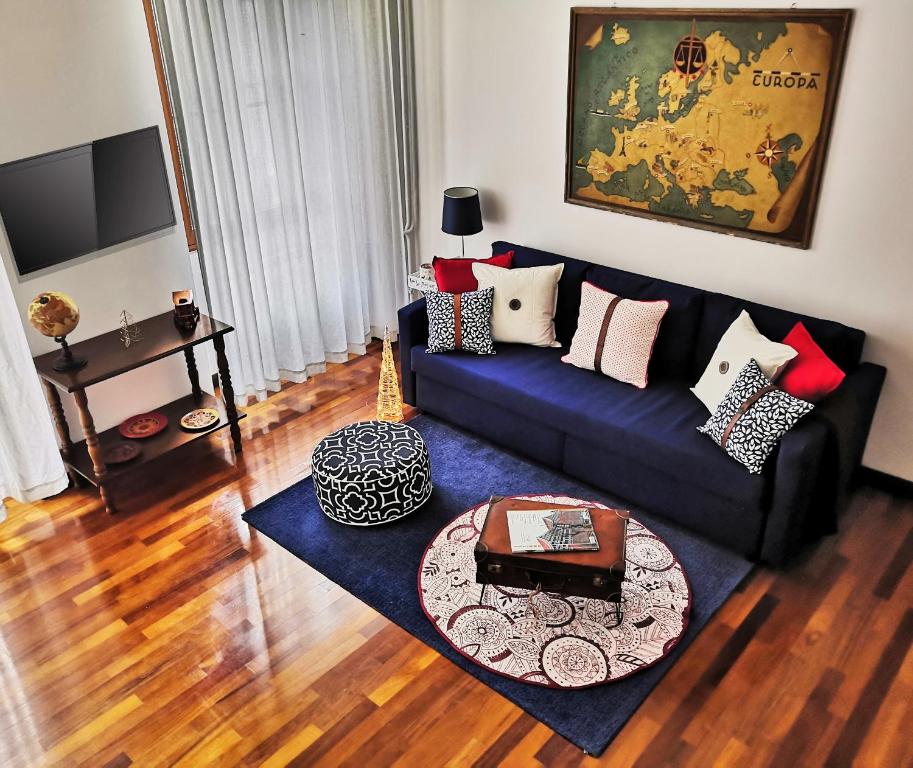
107	357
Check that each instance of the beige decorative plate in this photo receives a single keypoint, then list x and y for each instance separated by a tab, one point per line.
200	419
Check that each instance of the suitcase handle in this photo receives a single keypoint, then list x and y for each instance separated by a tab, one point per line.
538	586
540	582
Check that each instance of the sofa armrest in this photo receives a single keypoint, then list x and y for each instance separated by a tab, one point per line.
816	462
413	330
849	412
796	494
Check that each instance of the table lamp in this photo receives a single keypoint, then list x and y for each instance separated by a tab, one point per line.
462	213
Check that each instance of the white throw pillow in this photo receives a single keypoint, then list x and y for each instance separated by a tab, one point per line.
741	344
525	302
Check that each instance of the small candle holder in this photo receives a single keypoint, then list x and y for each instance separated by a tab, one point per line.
186	313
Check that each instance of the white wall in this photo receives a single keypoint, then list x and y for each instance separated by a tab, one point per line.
71	72
492	110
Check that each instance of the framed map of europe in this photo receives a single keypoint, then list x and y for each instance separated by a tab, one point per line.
714	119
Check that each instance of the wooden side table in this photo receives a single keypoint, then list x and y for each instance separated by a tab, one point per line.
107	357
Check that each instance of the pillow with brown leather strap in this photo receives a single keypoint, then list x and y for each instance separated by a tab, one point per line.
615	336
753	417
460	322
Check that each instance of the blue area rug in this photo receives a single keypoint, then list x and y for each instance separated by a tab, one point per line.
466	470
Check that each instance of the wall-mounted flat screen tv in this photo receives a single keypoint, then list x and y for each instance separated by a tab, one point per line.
74	201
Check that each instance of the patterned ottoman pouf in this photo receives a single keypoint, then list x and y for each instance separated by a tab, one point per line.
371	472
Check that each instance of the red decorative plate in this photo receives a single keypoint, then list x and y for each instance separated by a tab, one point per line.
143	425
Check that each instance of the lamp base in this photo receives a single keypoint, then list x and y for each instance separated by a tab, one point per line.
66	361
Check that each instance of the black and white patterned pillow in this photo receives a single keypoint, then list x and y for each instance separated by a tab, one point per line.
475	321
752	418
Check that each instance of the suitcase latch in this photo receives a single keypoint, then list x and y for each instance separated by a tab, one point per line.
600	581
494	568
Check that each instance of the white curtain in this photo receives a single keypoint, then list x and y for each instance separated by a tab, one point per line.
30	463
296	115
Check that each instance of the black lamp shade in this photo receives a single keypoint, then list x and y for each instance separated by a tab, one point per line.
462	213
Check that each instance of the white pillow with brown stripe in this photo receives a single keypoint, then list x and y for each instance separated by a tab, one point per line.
753	417
615	336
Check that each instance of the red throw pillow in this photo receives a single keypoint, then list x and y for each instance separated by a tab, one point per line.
811	375
455	275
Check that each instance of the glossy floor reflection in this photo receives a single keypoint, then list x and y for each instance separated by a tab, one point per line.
173	634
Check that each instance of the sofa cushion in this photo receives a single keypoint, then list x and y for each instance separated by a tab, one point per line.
524	302
568	286
460	322
842	344
718	518
811	375
656	426
455	275
739	346
753	417
615	336
673	353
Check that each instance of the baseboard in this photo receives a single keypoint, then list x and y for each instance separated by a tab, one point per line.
885	482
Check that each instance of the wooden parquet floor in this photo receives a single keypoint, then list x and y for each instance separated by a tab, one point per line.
174	634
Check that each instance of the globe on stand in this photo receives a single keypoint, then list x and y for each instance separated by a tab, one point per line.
55	314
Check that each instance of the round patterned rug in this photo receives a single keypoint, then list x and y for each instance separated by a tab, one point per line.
567	642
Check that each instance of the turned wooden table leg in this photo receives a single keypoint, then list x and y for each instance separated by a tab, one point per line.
64	442
228	394
193	374
94	448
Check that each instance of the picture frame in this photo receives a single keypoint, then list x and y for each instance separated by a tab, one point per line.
711	118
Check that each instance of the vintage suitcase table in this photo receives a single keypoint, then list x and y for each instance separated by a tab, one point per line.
548	639
596	574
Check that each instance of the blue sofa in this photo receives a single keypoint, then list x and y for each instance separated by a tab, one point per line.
643	445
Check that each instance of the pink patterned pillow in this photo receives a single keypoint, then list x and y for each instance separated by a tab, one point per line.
615	336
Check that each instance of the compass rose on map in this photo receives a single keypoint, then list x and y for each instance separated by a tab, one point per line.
690	54
768	152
